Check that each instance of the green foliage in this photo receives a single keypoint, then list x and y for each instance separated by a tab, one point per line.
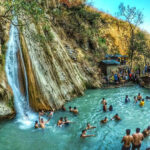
49	35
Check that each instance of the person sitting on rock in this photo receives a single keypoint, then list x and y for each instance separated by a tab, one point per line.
83	135
88	127
51	113
104	121
116	117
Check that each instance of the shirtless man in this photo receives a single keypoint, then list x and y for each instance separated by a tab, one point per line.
137	139
67	122
139	97
70	109
88	127
60	122
83	135
42	122
103	101
127	140
51	114
75	110
104	121
146	132
105	107
36	125
116	117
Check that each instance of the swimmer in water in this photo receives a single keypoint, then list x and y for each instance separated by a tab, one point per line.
66	121
42	122
104	121
60	122
88	127
135	99
75	111
137	139
142	103
139	97
127	140
63	108
103	101
110	108
36	125
146	132
105	107
70	109
83	135
116	117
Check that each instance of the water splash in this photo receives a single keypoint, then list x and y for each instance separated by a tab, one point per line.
25	116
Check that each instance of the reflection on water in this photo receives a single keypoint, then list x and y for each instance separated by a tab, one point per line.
108	137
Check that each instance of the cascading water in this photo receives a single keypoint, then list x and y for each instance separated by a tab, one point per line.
24	114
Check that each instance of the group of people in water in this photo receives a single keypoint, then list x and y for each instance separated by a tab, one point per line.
135	139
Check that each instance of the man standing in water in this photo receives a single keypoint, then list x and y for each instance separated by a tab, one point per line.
83	135
137	139
127	140
42	122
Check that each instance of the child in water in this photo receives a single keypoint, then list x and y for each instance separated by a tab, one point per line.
142	103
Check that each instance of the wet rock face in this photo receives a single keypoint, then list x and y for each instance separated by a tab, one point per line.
54	74
145	81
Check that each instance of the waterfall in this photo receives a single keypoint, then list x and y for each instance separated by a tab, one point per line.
24	114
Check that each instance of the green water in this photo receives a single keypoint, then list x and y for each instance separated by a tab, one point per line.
108	137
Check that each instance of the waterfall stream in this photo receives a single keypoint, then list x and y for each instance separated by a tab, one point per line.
24	113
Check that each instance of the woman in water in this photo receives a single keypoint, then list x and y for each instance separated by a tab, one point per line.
110	108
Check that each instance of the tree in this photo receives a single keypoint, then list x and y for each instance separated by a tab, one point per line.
134	18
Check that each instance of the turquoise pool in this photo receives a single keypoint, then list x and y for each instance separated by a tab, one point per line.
108	136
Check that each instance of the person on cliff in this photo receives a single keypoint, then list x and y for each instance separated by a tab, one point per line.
75	111
127	140
60	122
51	113
42	122
83	135
88	127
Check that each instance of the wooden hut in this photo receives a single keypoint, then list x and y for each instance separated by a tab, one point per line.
109	66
